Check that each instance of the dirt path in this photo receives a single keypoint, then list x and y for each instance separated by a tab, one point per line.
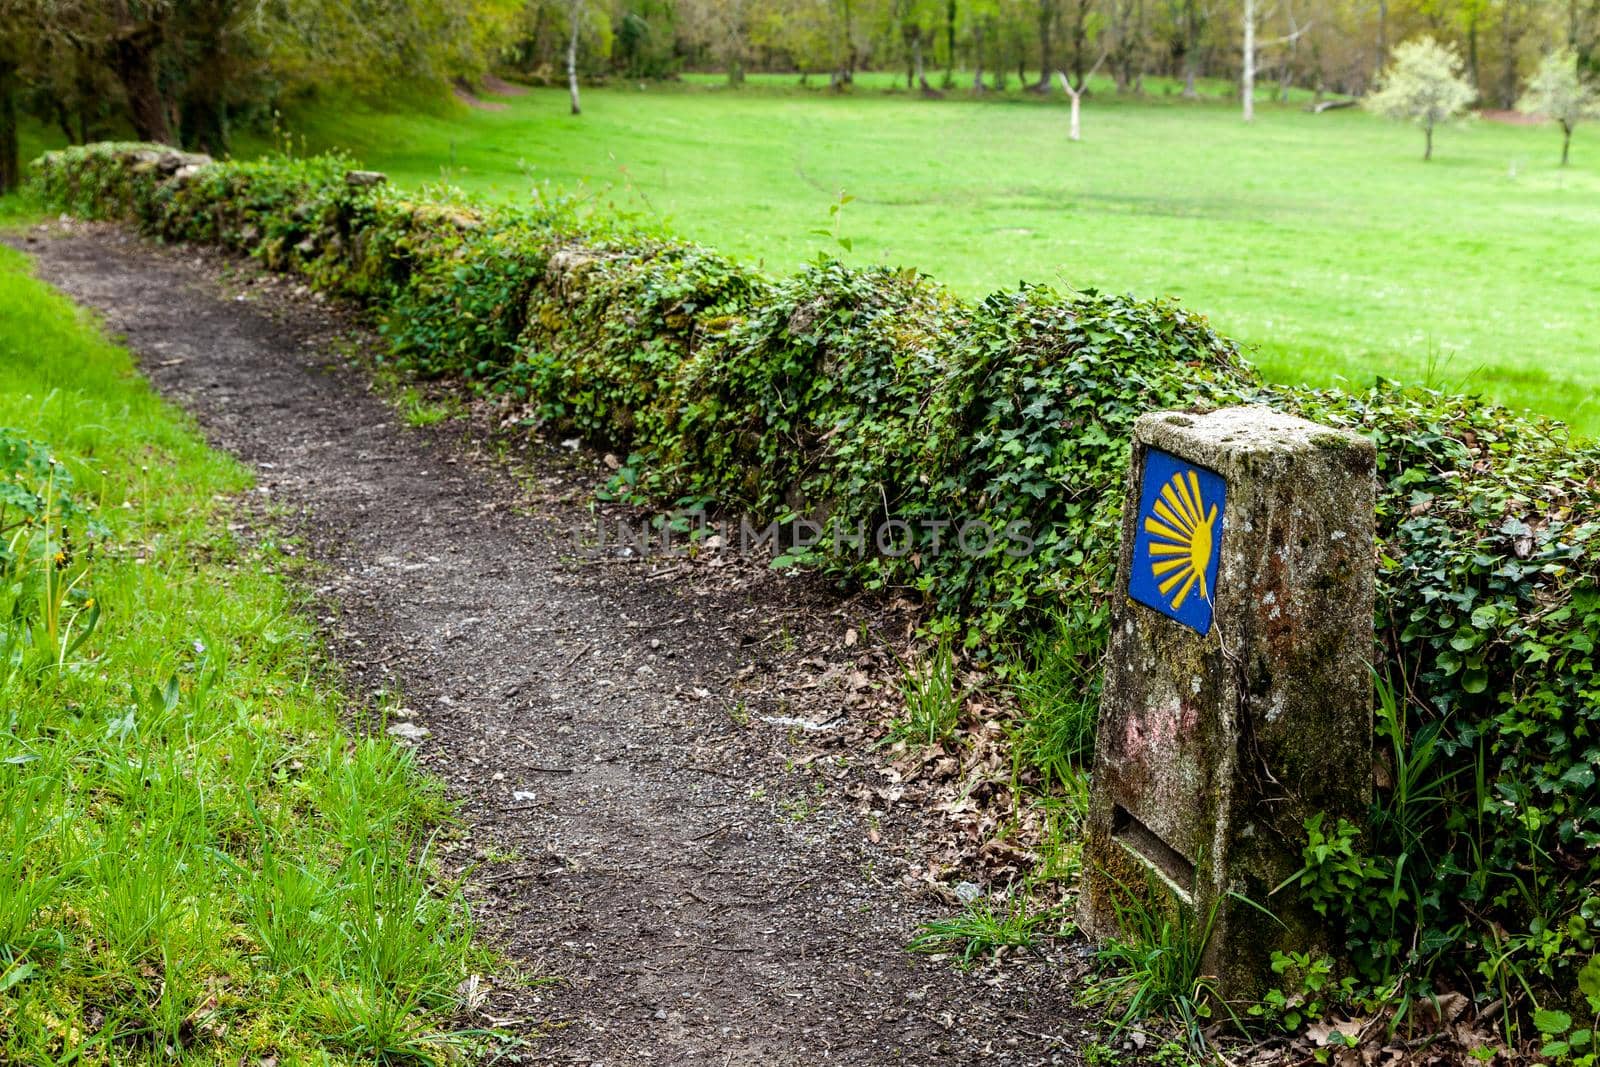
700	899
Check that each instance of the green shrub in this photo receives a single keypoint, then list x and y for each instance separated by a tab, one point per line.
614	323
461	306
814	405
1488	586
1034	429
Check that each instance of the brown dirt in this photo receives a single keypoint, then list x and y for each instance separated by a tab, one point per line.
1511	118
465	94
705	887
501	87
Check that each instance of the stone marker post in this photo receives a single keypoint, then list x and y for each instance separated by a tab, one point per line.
1238	696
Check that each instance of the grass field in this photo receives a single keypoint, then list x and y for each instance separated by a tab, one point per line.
198	863
1321	240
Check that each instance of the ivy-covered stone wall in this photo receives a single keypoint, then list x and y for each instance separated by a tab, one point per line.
853	395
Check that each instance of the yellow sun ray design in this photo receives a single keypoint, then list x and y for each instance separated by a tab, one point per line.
1181	539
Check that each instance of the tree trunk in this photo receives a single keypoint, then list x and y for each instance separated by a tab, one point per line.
204	124
1247	76
1046	51
1080	37
1191	48
950	45
203	117
1427	151
1510	34
133	60
977	52
848	11
1383	37
10	160
1566	141
574	13
1074	129
916	61
1286	70
1472	57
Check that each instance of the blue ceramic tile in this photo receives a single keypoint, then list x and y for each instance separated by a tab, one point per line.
1178	540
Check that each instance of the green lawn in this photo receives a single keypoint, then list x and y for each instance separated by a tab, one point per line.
1323	241
198	862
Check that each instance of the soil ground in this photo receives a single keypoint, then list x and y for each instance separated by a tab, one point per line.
702	885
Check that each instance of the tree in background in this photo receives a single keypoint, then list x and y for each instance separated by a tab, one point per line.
647	35
1247	68
1129	41
1186	19
1515	22
178	71
721	30
16	32
918	23
185	71
1423	85
1047	16
575	13
1558	90
1471	16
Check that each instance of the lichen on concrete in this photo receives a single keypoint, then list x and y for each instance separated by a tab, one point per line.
1214	749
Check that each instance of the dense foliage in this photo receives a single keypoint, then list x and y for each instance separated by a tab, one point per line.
185	71
847	396
189	72
1488	847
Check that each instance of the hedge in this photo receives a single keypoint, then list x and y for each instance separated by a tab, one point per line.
853	395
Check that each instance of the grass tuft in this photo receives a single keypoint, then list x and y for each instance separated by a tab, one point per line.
1058	696
985	927
933	697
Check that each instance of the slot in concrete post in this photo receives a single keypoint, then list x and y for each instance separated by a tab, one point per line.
1238	693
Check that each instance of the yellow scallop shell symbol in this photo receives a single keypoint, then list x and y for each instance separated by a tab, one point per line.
1181	539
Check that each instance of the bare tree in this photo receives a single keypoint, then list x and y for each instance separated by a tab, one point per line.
574	24
1247	75
1075	95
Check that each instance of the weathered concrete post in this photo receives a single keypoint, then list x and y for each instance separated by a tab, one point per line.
1238	697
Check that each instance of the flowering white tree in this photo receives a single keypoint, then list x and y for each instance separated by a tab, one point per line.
1423	85
1560	92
